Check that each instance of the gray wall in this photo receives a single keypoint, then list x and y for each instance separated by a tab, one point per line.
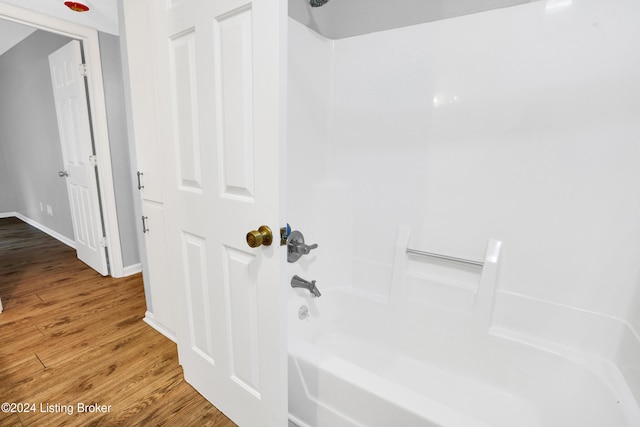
30	145
119	144
7	195
29	140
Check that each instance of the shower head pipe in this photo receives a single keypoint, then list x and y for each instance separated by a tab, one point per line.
317	3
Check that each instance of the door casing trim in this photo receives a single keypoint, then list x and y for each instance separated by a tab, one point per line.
95	87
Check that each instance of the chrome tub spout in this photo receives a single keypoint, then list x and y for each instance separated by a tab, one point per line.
299	282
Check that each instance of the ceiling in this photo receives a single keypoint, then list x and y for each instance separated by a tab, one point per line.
102	14
335	20
12	34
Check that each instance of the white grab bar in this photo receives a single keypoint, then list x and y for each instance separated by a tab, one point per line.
445	257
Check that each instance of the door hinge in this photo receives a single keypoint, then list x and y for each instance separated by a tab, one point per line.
103	242
83	70
93	160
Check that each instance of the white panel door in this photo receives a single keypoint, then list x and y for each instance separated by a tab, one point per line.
77	150
221	85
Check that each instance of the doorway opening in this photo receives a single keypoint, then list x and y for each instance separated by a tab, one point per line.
88	38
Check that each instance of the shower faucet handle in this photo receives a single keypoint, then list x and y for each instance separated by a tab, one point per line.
296	246
303	249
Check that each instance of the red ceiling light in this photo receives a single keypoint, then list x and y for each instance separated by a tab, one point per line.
77	7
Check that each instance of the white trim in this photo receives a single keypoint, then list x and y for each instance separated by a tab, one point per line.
67	241
89	38
296	422
149	320
132	269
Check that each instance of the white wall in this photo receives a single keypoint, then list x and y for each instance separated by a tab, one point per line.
340	19
519	124
308	151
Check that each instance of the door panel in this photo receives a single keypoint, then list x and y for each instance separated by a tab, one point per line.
185	110
199	300
241	290
221	109
234	97
77	149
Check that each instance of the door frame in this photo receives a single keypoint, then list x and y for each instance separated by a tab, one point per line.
88	37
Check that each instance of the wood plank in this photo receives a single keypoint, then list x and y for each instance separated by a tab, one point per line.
17	368
71	336
9	420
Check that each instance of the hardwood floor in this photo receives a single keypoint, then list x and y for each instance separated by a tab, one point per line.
71	337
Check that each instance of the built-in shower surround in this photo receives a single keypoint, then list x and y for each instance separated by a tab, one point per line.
518	124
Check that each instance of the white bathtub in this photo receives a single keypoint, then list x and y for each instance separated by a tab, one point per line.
355	361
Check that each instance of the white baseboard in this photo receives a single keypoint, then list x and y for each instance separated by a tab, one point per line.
69	242
130	270
149	320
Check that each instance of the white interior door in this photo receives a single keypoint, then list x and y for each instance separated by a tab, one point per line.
221	85
77	152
